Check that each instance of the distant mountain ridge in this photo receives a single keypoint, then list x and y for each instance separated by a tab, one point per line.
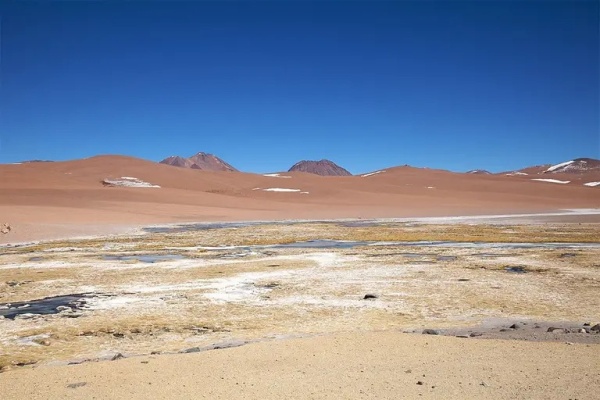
201	161
321	167
576	166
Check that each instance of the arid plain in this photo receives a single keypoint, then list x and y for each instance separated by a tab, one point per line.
193	283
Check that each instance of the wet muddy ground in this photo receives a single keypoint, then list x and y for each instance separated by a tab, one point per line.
174	290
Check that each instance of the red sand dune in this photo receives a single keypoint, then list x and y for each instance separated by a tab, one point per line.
52	199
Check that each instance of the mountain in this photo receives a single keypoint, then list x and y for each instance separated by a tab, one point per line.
479	172
202	161
322	167
576	166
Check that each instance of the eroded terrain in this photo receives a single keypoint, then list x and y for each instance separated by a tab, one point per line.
175	289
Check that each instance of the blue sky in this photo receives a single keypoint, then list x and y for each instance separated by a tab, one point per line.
453	85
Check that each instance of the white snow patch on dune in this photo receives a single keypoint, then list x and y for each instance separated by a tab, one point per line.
551	181
372	173
516	173
591	184
277	176
129	181
280	190
304	192
557	166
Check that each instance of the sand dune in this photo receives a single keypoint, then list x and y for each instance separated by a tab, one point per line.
36	198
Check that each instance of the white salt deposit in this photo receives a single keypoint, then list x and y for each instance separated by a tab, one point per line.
557	166
591	184
372	173
551	181
280	190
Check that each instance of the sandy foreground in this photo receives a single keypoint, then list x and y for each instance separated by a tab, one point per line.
388	365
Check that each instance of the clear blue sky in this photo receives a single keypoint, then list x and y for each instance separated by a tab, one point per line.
454	85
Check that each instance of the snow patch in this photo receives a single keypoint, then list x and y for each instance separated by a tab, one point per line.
592	184
128	181
277	176
516	173
551	181
557	166
372	173
280	190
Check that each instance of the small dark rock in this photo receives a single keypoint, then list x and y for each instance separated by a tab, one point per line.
420	383
505	330
587	324
516	270
193	350
554	329
117	356
370	296
463	280
76	385
475	334
430	332
595	328
463	336
514	326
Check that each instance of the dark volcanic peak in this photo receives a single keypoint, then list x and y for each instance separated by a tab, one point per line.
202	161
177	161
576	166
322	167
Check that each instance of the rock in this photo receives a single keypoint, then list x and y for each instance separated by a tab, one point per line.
463	336
514	326
420	383
475	334
42	342
463	280
587	324
595	328
430	332
504	330
370	296
5	228
76	385
63	308
555	329
117	356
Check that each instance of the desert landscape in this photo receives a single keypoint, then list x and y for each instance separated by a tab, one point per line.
300	200
115	268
